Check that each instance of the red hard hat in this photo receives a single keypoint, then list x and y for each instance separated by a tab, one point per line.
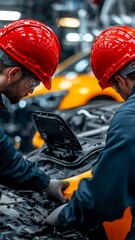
34	45
112	50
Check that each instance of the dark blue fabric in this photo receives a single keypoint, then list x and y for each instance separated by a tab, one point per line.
2	106
15	172
112	188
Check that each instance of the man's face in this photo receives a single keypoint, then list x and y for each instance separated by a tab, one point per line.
12	92
122	86
20	88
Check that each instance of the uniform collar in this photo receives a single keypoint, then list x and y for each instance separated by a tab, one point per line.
2	106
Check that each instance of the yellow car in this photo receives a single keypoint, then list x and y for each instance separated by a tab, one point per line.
73	85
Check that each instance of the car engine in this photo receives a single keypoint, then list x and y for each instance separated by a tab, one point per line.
62	156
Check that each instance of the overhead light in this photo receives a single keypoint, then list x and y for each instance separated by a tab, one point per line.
73	37
68	22
88	37
9	15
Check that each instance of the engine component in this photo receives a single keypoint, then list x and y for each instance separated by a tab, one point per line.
62	156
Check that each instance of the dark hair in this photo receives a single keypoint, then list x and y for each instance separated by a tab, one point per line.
131	76
2	67
7	61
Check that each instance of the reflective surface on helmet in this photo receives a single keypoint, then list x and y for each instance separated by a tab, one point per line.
34	45
112	50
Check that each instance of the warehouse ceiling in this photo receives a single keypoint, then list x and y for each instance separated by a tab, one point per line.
46	11
40	9
35	9
87	19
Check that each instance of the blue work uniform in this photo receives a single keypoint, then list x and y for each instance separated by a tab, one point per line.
15	171
106	195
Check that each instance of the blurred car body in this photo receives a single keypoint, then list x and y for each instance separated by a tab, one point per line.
73	85
77	86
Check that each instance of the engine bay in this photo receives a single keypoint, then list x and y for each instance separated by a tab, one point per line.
62	156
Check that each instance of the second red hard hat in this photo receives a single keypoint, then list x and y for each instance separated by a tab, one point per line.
112	50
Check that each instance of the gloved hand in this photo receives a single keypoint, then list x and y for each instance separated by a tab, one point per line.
52	219
55	188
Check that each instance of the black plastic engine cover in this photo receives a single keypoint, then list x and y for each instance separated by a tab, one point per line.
62	156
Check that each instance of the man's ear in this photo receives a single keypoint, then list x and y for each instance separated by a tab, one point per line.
122	82
14	74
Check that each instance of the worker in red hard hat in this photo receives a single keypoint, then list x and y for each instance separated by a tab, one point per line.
29	54
106	195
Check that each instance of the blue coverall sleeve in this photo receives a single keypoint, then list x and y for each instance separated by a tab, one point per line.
17	173
105	196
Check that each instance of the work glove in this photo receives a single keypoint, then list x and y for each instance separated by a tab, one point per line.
52	219
55	188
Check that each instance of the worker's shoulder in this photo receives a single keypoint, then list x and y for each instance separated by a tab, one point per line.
128	105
